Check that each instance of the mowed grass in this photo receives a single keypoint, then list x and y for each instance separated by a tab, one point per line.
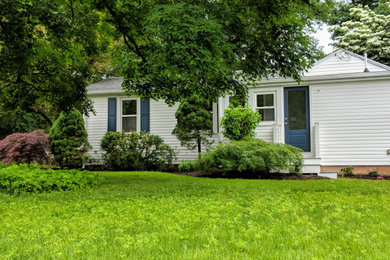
160	215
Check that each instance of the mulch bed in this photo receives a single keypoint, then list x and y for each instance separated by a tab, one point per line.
275	176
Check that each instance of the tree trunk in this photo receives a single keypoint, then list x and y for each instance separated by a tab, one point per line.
199	147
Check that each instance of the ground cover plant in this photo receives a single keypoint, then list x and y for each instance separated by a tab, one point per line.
16	179
159	215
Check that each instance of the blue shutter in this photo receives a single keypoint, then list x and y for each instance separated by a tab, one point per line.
111	114
145	115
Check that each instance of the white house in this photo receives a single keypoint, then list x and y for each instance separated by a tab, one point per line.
339	114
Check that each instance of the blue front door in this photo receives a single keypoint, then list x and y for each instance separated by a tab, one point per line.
296	117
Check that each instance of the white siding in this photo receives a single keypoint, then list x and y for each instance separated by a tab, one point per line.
354	122
96	125
162	122
335	65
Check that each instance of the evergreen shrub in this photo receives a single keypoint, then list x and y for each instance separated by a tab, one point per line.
69	139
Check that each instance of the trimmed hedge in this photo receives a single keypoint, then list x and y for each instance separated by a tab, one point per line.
252	156
15	179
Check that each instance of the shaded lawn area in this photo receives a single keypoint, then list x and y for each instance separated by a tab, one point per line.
160	215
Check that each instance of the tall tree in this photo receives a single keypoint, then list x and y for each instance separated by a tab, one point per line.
47	49
175	49
366	32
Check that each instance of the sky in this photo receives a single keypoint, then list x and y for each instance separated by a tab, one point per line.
324	40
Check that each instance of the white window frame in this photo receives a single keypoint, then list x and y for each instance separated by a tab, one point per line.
137	115
266	107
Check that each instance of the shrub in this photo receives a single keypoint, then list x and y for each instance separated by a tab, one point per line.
347	171
17	179
373	173
136	151
187	166
239	122
28	148
69	139
252	156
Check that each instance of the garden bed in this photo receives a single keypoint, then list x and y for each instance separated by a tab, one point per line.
272	176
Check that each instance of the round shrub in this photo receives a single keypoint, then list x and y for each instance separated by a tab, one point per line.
187	166
136	151
28	148
15	179
239	122
69	139
252	156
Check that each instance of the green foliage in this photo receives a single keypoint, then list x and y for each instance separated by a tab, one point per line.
366	31
48	51
252	156
148	215
373	173
136	151
347	171
15	179
19	122
69	139
239	122
187	166
181	48
194	123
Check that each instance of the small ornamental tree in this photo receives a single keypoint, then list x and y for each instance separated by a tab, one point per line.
239	122
69	139
194	123
28	148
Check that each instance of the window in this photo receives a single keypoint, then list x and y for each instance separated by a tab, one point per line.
265	104
129	115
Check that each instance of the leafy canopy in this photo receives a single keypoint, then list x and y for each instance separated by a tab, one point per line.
194	123
175	49
47	53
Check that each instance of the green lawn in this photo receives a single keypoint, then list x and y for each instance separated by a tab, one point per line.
159	215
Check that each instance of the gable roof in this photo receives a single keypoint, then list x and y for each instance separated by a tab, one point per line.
343	61
105	86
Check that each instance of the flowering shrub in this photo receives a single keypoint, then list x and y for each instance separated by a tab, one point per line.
28	148
17	179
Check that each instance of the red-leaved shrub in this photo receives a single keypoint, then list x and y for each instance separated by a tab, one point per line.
28	148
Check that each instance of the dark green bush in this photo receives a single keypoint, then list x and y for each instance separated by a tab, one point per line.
252	156
187	166
239	122
69	139
373	173
17	179
136	151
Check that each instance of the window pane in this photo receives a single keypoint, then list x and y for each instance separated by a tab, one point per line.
260	100
129	107
269	100
129	124
266	100
297	110
267	114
